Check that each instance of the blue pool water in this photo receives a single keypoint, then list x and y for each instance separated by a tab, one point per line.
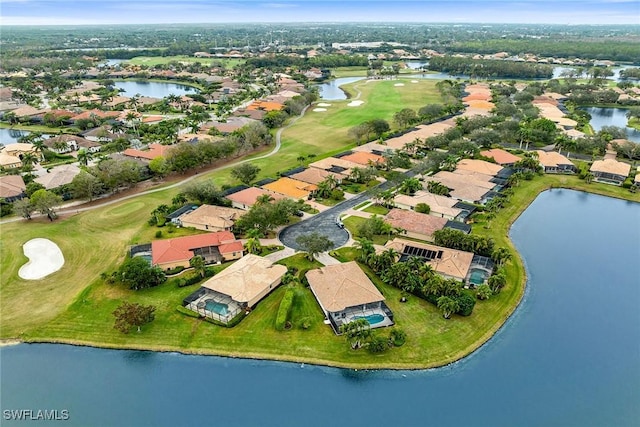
372	318
217	307
478	276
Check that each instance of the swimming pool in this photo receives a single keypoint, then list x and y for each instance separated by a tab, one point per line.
372	319
216	307
478	276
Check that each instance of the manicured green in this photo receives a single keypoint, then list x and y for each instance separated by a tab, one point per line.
284	309
376	209
353	222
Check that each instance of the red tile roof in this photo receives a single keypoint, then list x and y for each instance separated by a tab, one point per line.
181	248
501	156
363	158
155	150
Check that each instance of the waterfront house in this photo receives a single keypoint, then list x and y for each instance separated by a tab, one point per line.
235	289
345	294
610	171
554	162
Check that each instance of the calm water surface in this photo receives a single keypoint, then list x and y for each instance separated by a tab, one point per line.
601	116
330	91
154	89
569	356
10	136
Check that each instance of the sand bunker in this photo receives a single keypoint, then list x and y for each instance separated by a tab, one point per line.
355	103
324	104
45	257
414	81
399	84
319	110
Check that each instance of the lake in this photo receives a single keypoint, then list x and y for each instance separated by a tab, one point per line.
330	91
605	116
569	356
153	89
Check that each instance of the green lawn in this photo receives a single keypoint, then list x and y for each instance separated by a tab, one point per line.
157	60
353	222
376	209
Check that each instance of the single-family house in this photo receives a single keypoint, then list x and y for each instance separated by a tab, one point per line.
12	188
153	151
336	165
211	218
316	176
554	162
448	263
245	199
610	171
58	176
414	224
9	161
235	289
345	294
291	188
363	158
213	247
501	157
440	206
479	167
66	143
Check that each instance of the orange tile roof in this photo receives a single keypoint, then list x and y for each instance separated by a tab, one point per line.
249	196
155	150
501	156
363	158
266	106
181	248
291	187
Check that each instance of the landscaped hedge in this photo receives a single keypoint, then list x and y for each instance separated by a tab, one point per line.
187	312
284	309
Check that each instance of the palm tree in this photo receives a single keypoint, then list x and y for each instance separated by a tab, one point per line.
588	178
356	332
84	156
28	160
132	119
483	292
198	264
366	249
448	306
501	255
263	199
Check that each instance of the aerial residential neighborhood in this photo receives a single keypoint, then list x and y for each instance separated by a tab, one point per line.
357	195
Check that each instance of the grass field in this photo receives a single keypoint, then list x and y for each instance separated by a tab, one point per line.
157	60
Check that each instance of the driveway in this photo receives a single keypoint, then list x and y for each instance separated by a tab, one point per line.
324	223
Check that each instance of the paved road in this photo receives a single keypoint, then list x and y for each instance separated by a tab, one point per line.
324	223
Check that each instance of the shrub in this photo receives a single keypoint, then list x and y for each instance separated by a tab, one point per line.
397	337
187	312
231	324
284	309
423	208
158	233
175	270
466	303
378	344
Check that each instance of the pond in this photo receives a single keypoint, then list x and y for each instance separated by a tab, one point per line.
567	357
11	136
330	91
606	116
153	89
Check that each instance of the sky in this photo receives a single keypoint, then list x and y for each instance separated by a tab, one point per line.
92	12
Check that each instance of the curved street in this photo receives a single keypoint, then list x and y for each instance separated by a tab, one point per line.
325	223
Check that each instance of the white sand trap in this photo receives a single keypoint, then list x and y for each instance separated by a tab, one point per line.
355	103
414	81
324	104
319	110
45	257
399	84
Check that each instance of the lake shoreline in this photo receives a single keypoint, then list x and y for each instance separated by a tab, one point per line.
548	184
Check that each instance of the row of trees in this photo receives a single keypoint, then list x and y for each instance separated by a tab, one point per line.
478	68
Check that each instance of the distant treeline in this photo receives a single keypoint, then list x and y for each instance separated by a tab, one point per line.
490	68
326	61
614	50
